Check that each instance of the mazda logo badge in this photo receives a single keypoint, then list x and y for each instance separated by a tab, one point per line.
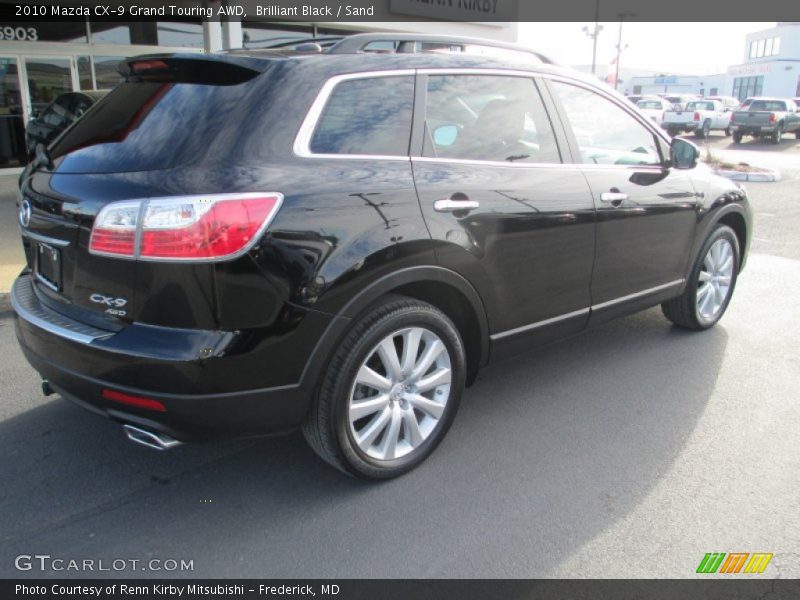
25	213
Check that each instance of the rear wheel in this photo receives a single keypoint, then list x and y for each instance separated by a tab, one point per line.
737	138
727	131
390	391
778	135
710	284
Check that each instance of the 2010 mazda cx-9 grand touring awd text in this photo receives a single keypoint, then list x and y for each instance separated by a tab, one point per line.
338	240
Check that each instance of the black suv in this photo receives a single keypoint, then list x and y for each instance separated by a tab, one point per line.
339	239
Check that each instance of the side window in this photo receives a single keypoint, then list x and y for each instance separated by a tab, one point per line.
366	116
487	117
606	134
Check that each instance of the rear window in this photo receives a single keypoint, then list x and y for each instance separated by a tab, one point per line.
649	104
151	125
366	116
700	106
756	105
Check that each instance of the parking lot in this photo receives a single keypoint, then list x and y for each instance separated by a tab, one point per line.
629	451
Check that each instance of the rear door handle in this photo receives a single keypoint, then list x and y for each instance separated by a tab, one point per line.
614	198
455	204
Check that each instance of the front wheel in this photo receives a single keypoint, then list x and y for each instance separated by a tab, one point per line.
390	392
710	284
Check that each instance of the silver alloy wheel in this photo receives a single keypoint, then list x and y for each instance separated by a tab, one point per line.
714	282
400	393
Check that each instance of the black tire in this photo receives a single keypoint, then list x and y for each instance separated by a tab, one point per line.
327	428
672	132
727	132
778	135
682	311
737	138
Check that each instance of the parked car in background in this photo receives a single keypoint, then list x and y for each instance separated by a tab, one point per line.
654	108
729	102
635	99
766	117
62	112
679	100
254	242
700	117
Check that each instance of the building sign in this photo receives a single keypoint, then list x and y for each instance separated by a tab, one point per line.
753	69
457	10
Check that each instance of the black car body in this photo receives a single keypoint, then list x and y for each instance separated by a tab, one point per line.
512	252
58	115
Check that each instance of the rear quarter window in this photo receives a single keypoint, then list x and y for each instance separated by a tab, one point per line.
370	116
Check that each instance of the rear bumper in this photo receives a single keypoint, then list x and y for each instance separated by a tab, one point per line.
680	126
207	382
754	129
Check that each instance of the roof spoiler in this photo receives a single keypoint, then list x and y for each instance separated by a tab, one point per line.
190	68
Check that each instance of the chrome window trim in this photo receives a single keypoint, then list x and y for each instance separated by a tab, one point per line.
37	237
302	140
583	311
492	163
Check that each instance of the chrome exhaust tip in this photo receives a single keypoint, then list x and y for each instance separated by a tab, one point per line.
151	439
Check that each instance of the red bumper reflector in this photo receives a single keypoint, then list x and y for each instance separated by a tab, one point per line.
138	402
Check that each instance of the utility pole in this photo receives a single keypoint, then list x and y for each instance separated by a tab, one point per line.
594	33
619	45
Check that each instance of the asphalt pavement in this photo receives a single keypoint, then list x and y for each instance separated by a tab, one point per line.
629	451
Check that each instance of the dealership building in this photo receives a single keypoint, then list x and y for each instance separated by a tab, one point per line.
770	67
40	60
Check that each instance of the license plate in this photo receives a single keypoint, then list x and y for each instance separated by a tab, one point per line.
48	266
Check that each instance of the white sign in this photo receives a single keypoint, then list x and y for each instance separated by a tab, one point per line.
754	69
457	10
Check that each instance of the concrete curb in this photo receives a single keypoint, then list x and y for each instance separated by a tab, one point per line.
771	175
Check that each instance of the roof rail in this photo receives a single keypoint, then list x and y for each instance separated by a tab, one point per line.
408	43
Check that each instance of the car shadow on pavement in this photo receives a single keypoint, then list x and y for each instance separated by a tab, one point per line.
548	450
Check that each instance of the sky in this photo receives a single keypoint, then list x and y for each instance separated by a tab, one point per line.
671	48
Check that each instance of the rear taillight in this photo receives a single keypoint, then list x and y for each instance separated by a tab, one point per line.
183	228
697	116
772	117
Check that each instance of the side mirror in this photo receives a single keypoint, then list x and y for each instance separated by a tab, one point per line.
683	154
445	135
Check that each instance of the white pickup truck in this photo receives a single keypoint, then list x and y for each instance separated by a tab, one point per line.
699	116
